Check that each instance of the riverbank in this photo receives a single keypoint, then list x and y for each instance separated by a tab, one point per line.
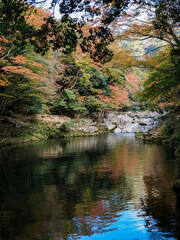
22	129
167	131
30	129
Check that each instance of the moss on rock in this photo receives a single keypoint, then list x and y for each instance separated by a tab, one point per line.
166	131
36	130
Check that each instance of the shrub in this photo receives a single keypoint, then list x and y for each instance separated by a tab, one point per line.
65	127
93	104
69	104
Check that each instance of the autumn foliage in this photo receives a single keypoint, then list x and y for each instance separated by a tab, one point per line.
118	97
36	16
22	84
71	83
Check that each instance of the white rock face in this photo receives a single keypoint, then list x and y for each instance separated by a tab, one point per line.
109	125
115	120
132	114
91	129
146	121
134	127
154	114
129	121
135	119
117	130
110	115
125	119
143	114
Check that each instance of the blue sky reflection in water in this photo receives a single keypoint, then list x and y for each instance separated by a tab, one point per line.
129	226
103	187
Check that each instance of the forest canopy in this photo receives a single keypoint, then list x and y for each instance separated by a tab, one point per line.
108	31
17	32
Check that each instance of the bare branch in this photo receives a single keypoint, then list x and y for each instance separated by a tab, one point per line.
7	53
156	48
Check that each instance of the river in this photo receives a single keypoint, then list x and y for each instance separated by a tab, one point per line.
110	187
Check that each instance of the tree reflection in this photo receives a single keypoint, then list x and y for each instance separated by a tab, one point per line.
159	203
78	187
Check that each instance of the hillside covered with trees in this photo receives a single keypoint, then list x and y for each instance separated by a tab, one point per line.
117	55
67	83
89	119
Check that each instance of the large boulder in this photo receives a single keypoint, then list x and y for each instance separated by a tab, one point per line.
125	119
138	114
110	115
154	114
146	121
98	116
142	114
134	127
109	125
135	119
115	120
91	129
117	130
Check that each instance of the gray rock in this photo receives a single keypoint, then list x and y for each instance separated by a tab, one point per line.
132	114
91	129
138	114
110	115
146	128
154	114
117	130
142	114
109	125
134	127
114	120
146	121
98	116
125	119
88	121
135	120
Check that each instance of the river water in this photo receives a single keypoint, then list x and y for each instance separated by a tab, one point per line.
110	187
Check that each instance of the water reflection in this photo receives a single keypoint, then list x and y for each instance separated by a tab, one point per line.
105	187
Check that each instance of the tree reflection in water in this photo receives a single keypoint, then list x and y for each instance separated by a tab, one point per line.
96	187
